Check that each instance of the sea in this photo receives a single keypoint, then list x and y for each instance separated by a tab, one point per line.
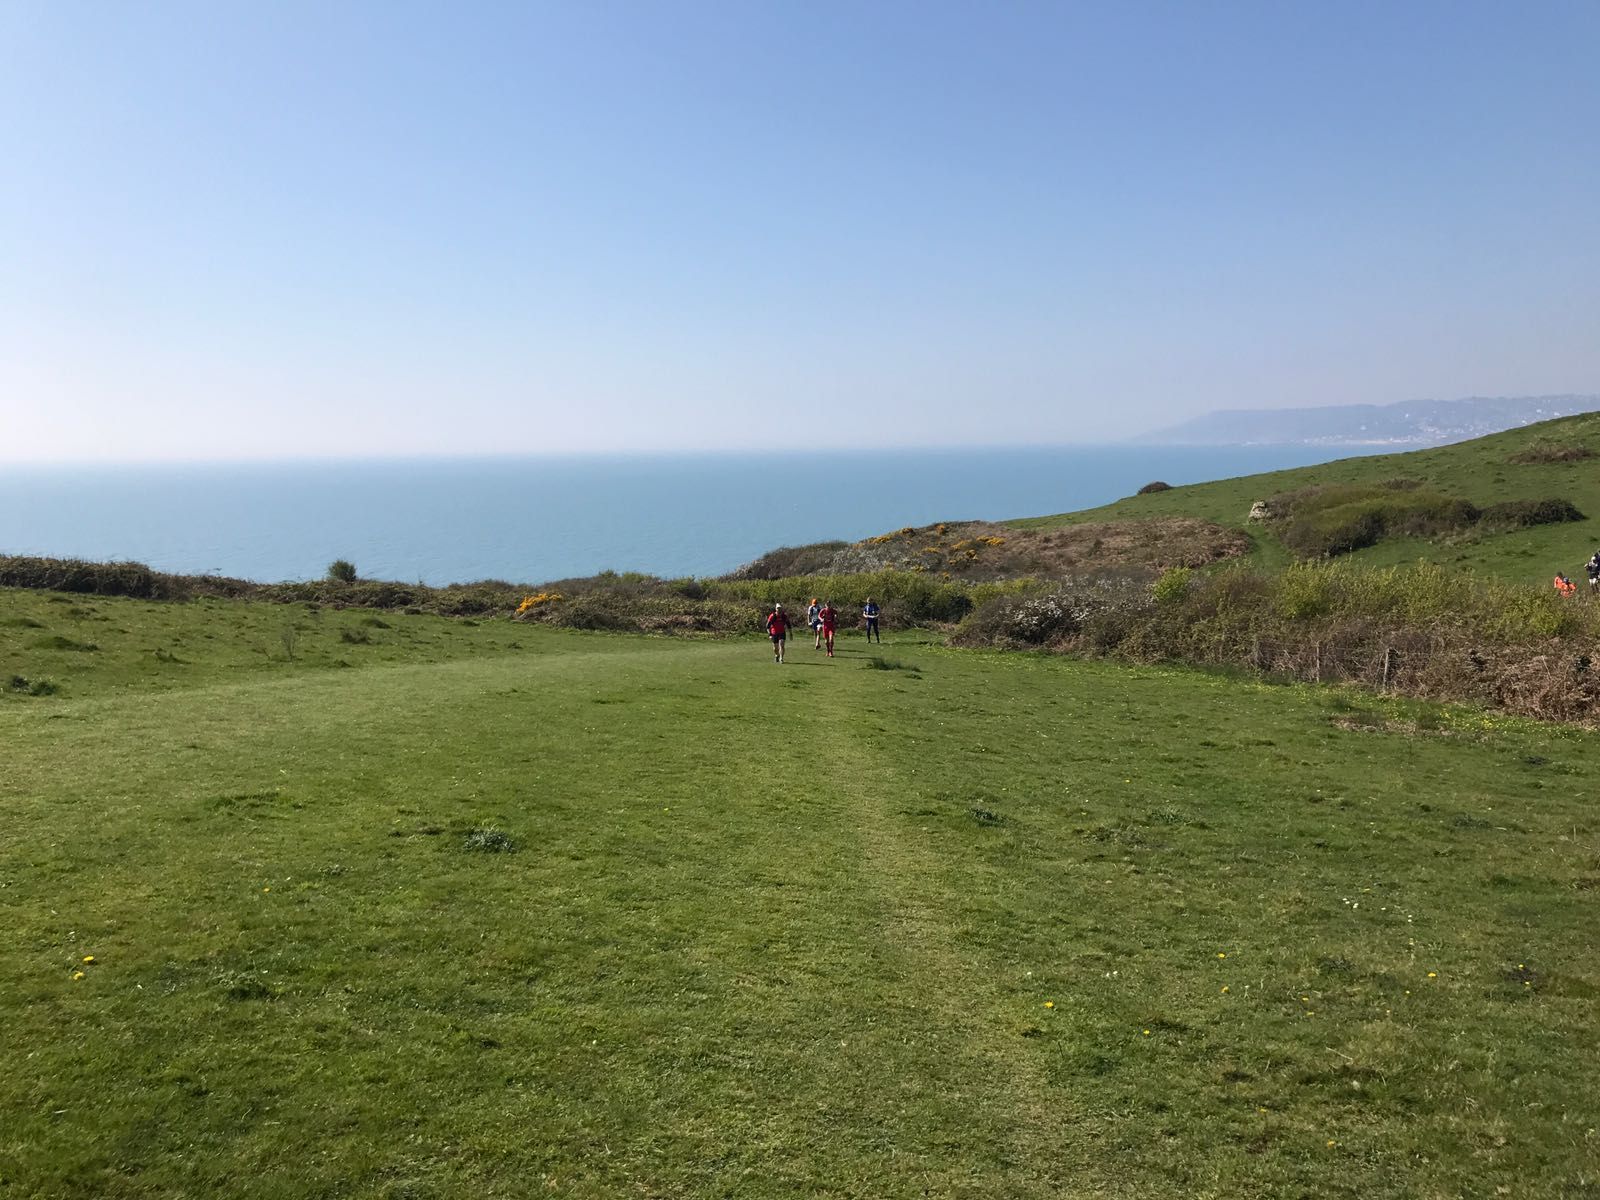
532	520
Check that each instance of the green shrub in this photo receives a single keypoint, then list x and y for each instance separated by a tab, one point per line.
1303	593
1337	519
1172	586
99	579
342	571
595	610
906	597
1153	486
1521	514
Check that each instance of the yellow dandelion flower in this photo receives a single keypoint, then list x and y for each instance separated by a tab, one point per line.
1433	974
266	889
77	974
1224	989
1147	1033
1049	1003
88	958
1332	1143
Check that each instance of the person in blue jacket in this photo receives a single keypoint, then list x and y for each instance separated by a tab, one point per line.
869	613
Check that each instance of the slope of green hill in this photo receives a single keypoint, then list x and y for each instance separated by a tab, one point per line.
422	910
1481	471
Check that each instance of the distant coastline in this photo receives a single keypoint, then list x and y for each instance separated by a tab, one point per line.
1409	425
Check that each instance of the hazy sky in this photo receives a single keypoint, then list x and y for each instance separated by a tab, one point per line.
232	229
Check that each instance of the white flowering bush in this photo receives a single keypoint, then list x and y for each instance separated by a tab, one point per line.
1093	608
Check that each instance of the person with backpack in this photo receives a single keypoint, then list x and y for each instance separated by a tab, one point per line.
778	631
1592	569
869	613
827	619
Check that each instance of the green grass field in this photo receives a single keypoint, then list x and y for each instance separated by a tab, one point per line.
1479	470
966	925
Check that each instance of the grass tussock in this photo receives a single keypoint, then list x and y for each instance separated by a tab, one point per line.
879	663
489	840
22	685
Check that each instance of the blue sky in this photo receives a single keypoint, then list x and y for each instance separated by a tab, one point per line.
285	229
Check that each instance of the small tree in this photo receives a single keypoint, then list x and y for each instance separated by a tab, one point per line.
341	571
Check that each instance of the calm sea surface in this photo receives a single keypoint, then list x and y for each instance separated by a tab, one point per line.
535	519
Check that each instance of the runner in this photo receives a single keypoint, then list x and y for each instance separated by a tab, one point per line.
778	631
869	611
826	620
1592	569
814	621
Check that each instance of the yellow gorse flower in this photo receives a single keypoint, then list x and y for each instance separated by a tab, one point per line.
538	598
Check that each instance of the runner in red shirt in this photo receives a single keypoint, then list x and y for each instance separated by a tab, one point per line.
827	619
778	631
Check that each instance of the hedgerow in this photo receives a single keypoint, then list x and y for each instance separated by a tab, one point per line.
1423	630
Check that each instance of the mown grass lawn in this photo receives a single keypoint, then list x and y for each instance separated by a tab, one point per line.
969	925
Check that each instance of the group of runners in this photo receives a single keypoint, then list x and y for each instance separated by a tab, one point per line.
823	620
1591	568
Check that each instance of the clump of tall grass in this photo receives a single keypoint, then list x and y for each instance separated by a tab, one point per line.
489	840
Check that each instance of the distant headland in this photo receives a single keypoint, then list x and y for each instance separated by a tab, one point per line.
1412	424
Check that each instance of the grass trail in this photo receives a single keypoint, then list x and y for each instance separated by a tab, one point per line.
788	931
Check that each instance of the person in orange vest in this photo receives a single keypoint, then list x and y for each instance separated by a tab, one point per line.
1564	585
778	631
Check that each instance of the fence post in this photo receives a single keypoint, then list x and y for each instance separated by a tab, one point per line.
1388	665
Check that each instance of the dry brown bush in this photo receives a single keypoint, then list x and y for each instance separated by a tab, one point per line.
978	550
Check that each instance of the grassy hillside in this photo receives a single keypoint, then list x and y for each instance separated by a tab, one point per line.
1481	471
596	915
